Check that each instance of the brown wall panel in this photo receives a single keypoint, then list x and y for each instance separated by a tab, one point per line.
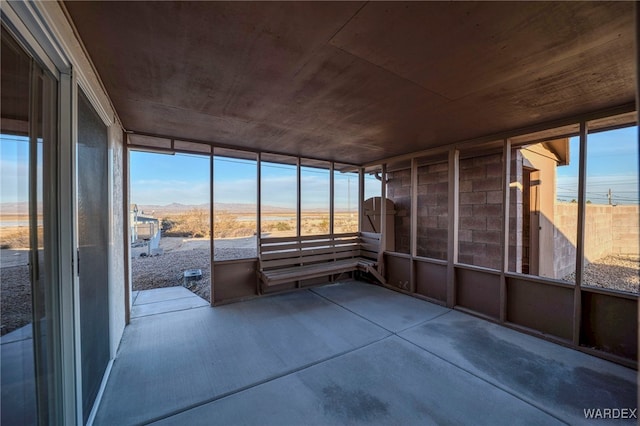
610	324
318	281
543	307
234	279
277	288
478	291
397	271
431	280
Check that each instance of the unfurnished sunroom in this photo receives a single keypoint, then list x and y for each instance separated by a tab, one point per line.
405	207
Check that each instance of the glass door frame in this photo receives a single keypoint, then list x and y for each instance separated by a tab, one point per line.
25	22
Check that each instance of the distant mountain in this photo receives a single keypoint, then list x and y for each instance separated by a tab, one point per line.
176	208
19	208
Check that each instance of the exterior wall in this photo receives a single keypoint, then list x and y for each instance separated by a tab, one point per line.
608	230
117	239
480	209
515	212
565	239
597	232
433	217
625	225
541	159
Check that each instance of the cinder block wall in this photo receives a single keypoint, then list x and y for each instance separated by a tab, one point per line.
480	211
625	225
433	218
399	191
565	239
608	230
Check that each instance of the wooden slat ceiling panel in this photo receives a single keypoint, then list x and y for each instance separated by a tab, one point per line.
355	82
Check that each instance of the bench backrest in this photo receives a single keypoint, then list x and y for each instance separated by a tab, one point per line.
282	252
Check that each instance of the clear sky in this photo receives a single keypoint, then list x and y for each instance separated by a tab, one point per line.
163	179
612	163
14	176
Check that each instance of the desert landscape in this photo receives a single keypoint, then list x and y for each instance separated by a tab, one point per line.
185	245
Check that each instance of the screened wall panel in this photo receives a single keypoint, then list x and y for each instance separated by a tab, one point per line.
235	195
315	193
399	192
481	211
346	196
93	232
433	203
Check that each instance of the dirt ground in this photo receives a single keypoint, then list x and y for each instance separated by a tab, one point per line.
180	254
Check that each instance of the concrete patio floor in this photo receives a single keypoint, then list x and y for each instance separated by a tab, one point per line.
348	353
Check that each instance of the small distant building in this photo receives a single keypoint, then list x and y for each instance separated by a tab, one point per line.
144	227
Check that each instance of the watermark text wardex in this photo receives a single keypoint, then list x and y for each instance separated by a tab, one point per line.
610	413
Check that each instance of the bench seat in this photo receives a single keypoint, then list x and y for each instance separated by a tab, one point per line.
285	260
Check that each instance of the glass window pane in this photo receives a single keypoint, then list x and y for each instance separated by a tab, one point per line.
346	196
543	209
611	219
235	212
279	199
314	192
28	291
480	204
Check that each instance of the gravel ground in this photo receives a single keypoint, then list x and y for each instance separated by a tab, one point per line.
167	270
619	272
15	305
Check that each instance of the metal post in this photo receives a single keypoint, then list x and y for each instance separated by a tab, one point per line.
383	218
331	198
413	233
211	227
361	211
506	176
452	246
582	176
258	212
299	200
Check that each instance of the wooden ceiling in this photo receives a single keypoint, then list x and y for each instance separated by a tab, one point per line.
351	81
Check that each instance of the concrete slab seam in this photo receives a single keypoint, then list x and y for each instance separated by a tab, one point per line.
260	382
423	322
133	318
521	398
349	310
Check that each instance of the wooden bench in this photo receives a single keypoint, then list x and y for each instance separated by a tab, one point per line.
290	259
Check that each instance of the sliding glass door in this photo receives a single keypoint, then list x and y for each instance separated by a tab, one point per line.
28	238
93	249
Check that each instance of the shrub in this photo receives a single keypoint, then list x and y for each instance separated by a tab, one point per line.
283	226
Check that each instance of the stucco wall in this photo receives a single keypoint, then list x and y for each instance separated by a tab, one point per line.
117	239
541	203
